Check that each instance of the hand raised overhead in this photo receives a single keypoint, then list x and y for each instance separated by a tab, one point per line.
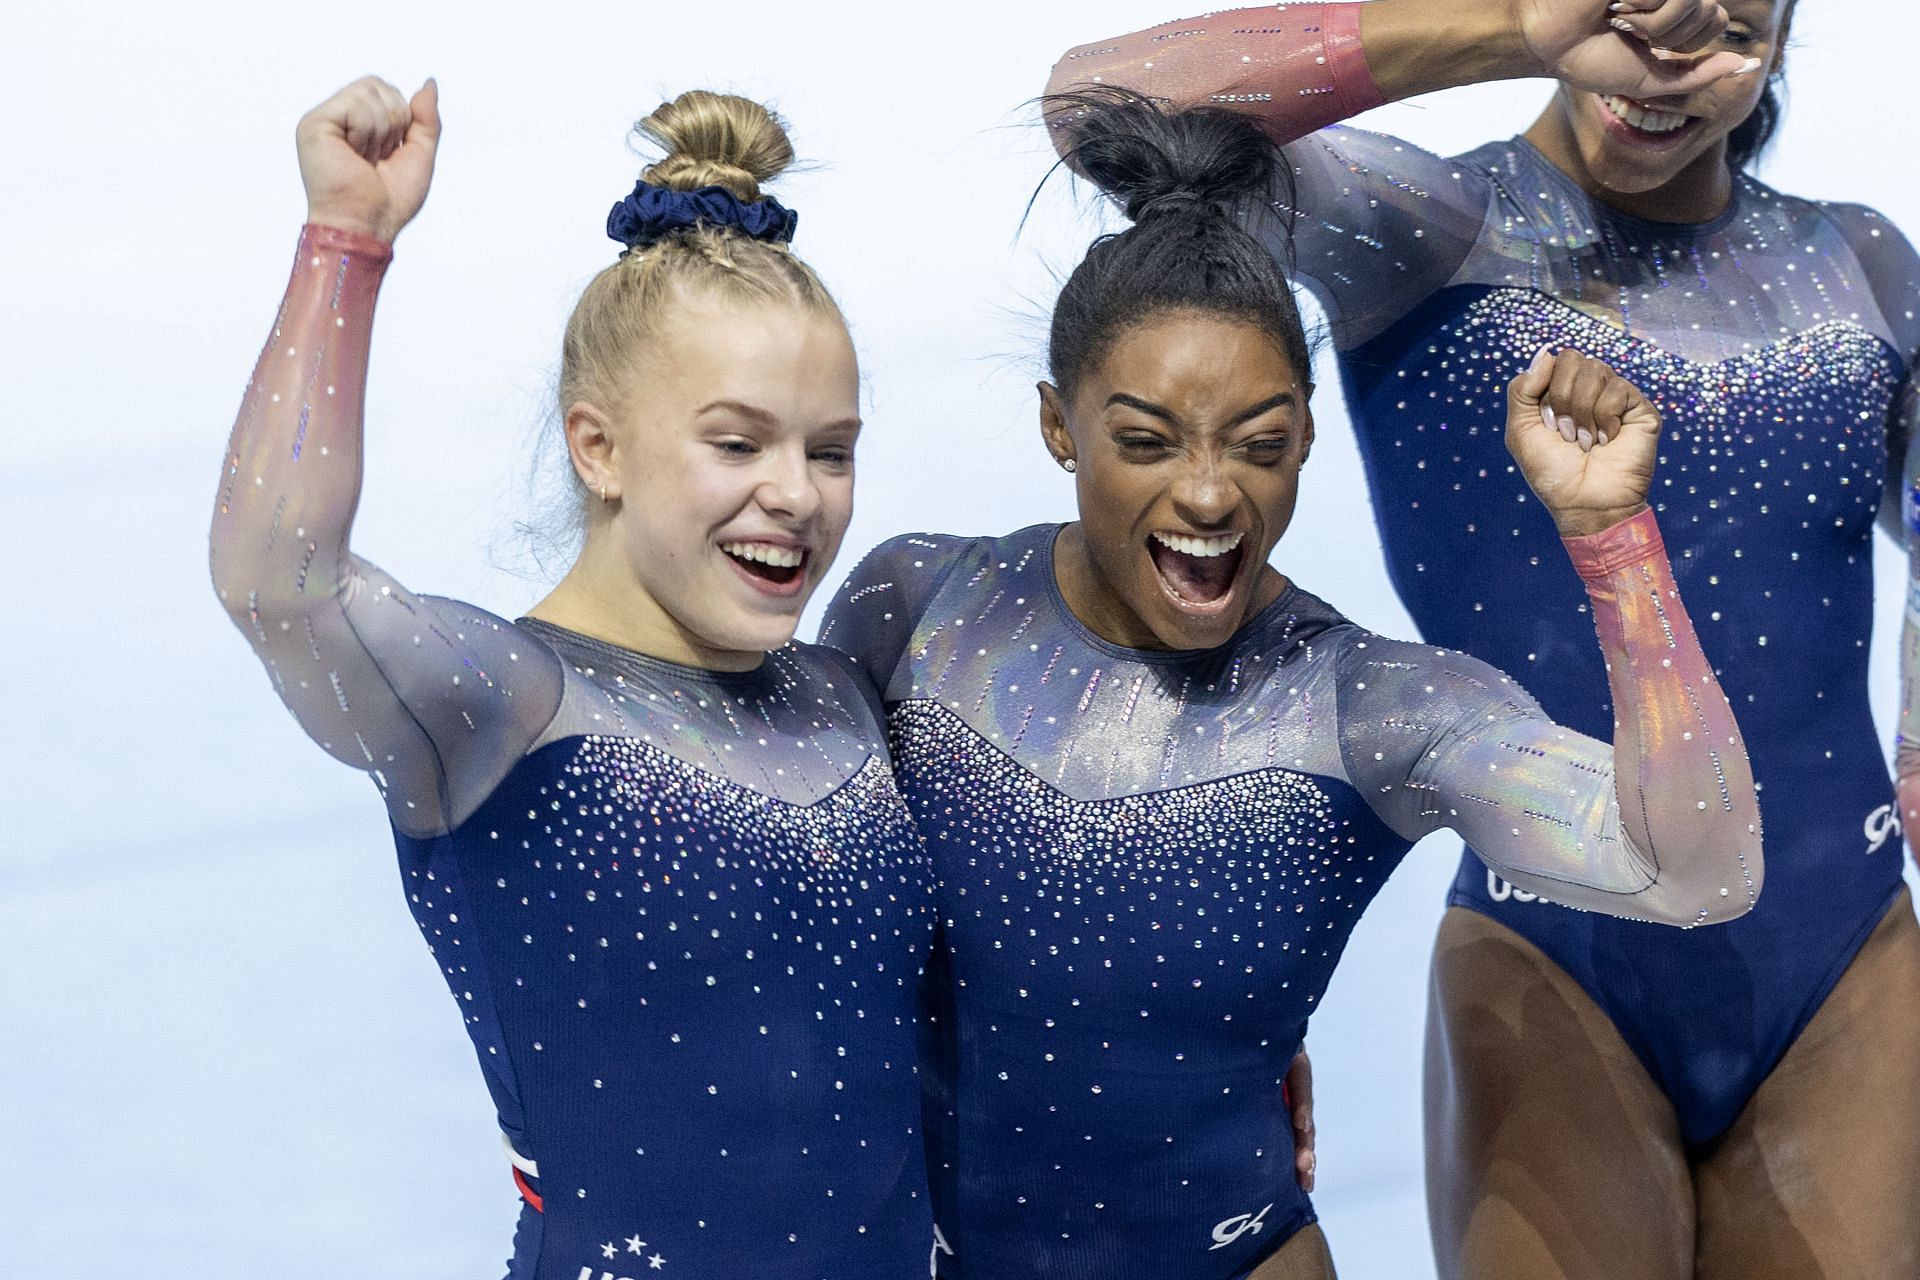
366	156
1639	48
1585	438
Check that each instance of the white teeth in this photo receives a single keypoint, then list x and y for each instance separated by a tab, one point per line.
1643	119
1202	547
766	553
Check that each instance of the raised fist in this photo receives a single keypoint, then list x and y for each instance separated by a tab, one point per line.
1585	439
366	156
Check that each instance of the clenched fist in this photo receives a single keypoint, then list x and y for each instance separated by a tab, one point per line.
366	156
1585	439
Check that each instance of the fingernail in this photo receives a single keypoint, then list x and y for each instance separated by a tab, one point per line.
1621	8
1664	55
1567	431
1621	24
1748	67
1586	440
1601	437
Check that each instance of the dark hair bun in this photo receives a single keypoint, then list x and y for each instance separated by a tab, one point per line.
1156	160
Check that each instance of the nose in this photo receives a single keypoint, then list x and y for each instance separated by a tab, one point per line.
1203	494
788	490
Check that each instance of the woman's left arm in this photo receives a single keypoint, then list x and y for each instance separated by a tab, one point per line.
1663	824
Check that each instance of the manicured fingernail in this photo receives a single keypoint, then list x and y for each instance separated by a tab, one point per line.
1621	24
1748	67
1601	437
1664	55
1586	440
1567	429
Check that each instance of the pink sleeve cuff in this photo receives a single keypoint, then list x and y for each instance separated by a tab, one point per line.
1596	556
1353	81
318	236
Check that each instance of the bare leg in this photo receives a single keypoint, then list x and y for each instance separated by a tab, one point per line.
1303	1257
1551	1155
1820	1175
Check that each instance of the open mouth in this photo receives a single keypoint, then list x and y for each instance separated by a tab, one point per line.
1645	125
1198	573
777	569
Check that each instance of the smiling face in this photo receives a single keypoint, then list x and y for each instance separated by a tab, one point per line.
1187	441
1632	146
729	466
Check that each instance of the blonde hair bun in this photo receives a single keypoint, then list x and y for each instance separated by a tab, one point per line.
716	140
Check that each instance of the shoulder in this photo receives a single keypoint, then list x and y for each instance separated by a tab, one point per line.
1379	674
1874	237
832	677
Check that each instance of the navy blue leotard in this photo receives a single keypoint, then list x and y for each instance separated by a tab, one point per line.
1149	863
683	913
1779	341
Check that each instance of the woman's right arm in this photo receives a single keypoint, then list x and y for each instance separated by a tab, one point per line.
432	698
1376	223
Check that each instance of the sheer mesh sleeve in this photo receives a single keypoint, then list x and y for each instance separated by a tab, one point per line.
1664	825
433	698
1906	753
874	613
1373	224
1892	269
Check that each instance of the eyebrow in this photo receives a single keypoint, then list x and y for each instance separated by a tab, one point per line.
1166	415
740	407
754	413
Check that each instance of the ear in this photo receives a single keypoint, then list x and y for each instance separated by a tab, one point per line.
590	446
1306	432
1053	423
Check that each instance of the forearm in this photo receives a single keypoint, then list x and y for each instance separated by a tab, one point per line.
1302	67
1682	784
292	477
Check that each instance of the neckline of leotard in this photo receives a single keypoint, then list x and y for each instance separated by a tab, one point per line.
1736	204
1159	657
634	659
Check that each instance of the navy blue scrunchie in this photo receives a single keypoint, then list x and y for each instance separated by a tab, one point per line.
651	214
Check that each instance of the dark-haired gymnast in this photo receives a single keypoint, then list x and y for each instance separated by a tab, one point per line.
1160	780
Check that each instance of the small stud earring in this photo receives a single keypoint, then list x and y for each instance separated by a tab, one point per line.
603	493
1069	466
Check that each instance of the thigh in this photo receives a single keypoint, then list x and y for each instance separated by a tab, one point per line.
1551	1154
1820	1175
1303	1257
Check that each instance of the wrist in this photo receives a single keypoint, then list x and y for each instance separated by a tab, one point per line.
1416	46
1632	539
1589	523
353	224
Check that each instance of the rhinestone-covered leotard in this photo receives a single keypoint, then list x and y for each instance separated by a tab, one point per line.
684	913
1149	863
1778	340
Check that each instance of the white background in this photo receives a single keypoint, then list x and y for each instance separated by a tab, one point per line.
223	1049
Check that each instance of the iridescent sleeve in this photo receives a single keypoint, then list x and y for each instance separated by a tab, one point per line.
873	615
1892	271
1906	751
1663	825
433	698
1372	224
